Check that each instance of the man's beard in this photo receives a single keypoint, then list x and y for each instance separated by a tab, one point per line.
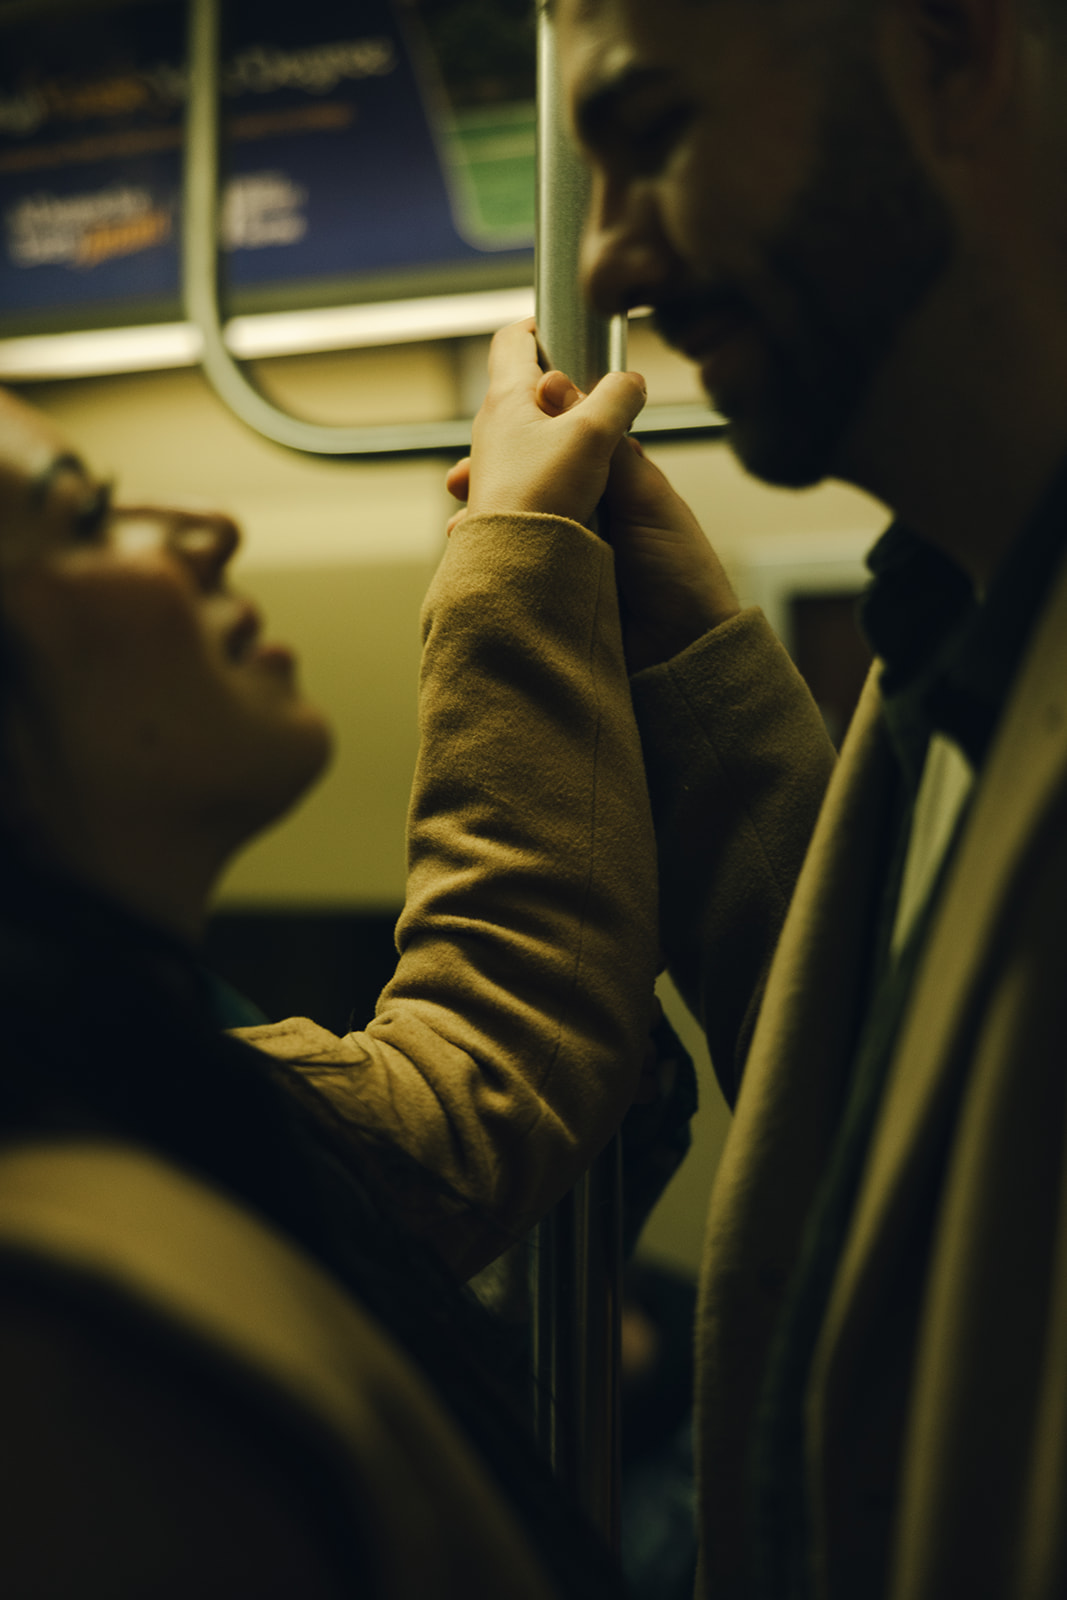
867	239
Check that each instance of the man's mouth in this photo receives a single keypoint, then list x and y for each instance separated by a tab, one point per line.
700	326
714	330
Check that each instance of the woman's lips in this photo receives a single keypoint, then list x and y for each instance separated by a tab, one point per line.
244	644
241	636
274	655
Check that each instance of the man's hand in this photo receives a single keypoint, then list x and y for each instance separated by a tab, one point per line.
529	453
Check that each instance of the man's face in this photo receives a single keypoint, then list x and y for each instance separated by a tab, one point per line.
142	688
752	183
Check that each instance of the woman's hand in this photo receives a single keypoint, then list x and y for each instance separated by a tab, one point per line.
542	445
531	453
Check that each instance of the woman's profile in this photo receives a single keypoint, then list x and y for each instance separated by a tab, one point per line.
234	1354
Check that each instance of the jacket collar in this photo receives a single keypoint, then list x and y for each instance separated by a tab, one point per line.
949	659
1026	770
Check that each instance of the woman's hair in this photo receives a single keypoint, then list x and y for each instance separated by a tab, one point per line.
132	1049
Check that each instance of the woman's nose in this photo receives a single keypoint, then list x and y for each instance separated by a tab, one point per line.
206	541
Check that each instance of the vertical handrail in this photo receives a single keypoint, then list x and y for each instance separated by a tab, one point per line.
576	1256
576	1252
572	337
575	1281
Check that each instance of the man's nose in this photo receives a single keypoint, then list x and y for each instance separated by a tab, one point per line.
205	540
626	260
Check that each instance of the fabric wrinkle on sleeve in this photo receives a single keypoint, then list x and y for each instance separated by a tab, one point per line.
507	1046
738	760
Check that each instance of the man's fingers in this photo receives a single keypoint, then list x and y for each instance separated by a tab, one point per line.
454	521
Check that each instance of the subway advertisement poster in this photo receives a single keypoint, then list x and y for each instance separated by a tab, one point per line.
368	152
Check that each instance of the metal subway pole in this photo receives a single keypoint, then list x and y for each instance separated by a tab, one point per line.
576	1255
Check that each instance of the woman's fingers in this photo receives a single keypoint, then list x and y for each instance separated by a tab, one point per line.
458	481
540	445
616	403
513	353
555	394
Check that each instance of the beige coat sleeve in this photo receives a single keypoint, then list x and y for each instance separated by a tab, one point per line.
507	1046
738	761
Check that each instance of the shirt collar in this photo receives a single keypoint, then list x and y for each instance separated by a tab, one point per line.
949	660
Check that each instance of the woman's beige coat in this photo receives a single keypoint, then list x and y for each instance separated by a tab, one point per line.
958	1248
191	1405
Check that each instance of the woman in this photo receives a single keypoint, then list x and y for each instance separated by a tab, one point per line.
233	1356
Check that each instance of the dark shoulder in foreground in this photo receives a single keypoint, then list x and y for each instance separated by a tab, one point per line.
121	1477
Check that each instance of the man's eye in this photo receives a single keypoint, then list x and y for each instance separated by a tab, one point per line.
652	143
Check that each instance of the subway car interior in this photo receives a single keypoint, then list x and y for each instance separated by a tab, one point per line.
253	257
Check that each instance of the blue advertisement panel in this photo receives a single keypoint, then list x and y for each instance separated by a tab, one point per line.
344	159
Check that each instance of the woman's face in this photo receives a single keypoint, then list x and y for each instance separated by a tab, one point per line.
144	697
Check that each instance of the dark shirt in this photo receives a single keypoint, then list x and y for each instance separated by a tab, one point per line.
948	665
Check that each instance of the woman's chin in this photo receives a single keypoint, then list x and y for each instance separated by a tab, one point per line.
313	749
300	757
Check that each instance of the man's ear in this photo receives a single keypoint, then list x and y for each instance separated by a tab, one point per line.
954	64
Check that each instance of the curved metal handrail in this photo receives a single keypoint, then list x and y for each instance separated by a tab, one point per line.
200	299
200	205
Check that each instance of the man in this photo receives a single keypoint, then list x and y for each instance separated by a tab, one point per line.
853	215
